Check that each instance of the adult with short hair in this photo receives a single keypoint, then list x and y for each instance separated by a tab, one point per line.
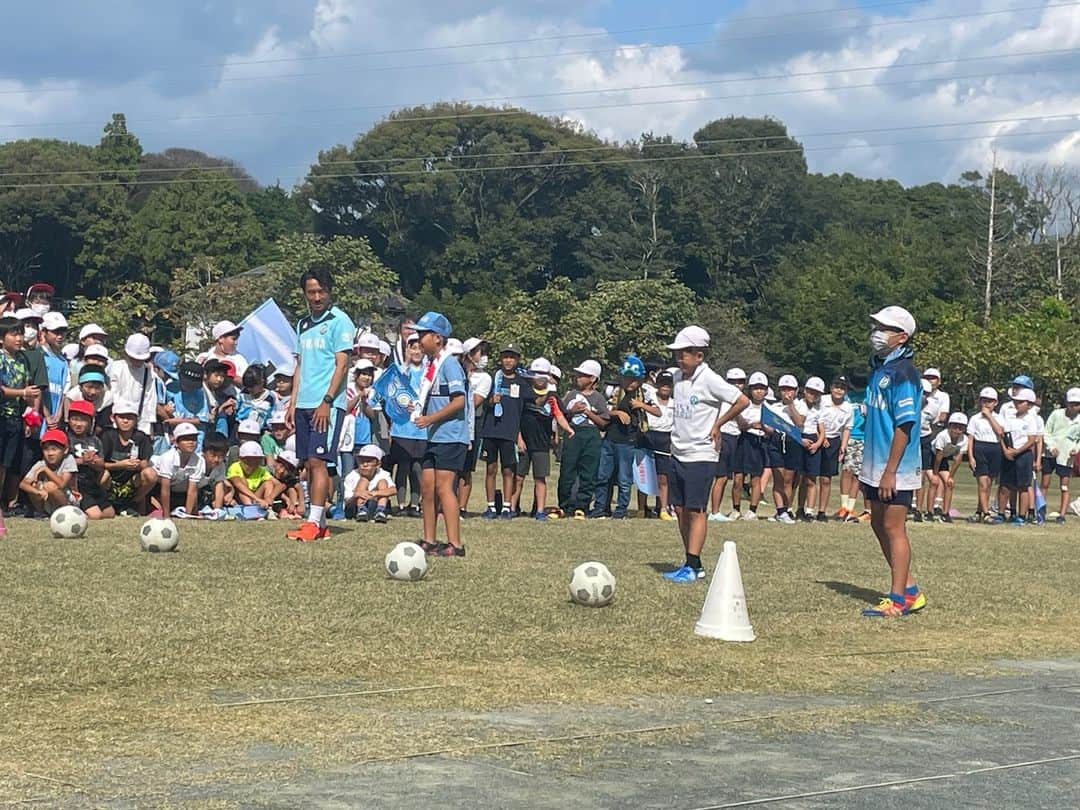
892	458
324	341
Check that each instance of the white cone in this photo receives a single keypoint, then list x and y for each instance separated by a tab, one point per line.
724	615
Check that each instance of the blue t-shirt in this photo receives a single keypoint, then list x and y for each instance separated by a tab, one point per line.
59	374
193	405
409	430
858	424
318	342
449	382
893	398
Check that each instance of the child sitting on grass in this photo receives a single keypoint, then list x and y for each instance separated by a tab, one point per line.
180	470
252	481
369	487
290	503
47	485
91	481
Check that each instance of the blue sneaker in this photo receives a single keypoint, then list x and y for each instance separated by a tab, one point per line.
1018	521
489	514
684	575
336	513
541	516
506	515
995	520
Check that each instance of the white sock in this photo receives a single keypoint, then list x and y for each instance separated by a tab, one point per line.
317	515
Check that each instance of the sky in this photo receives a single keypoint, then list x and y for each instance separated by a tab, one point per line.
915	90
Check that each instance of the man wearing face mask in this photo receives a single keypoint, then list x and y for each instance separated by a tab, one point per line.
892	464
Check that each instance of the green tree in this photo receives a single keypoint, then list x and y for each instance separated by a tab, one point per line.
129	308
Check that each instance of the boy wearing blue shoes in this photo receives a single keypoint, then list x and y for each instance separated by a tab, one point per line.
697	397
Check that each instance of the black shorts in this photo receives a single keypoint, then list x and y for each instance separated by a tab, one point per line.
503	451
944	466
663	463
472	454
1062	471
444	456
774	452
926	450
729	456
903	497
690	483
1016	473
988	459
537	460
793	455
830	458
404	453
750	455
320	444
811	462
657	442
92	494
12	436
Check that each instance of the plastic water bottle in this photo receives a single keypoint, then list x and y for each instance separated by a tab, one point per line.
498	410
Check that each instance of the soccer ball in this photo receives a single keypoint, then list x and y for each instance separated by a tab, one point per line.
159	534
68	521
406	561
592	585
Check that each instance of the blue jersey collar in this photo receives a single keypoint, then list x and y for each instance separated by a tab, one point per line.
899	353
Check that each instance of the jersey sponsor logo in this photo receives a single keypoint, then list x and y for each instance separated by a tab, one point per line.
694	399
883	383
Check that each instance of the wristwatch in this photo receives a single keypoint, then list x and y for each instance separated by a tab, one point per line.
329	400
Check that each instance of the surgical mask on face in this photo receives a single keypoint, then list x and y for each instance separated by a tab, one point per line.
30	334
39	309
879	342
482	362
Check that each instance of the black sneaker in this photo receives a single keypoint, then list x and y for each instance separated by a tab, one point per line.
928	517
447	550
822	517
380	516
945	518
915	515
429	546
362	516
413	512
976	518
806	517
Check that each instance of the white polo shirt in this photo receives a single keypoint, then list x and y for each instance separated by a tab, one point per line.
697	402
1021	428
836	418
979	429
752	413
943	444
937	403
812	417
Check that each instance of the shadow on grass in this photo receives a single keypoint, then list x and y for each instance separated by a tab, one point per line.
663	567
854	591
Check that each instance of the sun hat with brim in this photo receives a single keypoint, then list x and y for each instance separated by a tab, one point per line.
83	407
897	318
184	429
249	427
251	450
788	381
92	330
54	322
277	419
541	365
289	457
125	407
223	328
471	344
363	365
54	436
590	368
958	419
932	372
370	451
137	346
735	374
454	347
692	337
988	393
97	350
556	372
1024	395
368	340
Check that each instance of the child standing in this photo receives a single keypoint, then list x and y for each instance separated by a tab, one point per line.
813	433
984	451
1019	440
725	465
836	417
540	414
850	488
659	439
47	484
589	414
407	439
14	394
751	452
502	429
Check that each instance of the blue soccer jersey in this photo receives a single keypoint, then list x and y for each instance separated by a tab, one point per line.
449	382
893	398
318	342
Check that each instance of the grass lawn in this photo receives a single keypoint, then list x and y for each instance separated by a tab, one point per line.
115	662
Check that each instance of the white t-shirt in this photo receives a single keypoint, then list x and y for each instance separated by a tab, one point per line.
730	428
836	418
377	480
1008	410
926	418
943	444
238	360
752	413
811	415
937	403
169	467
697	402
780	409
128	384
1020	428
666	420
979	429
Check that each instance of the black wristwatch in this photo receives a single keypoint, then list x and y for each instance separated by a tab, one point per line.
329	400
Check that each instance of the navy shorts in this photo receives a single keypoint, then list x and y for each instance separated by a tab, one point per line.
690	483
793	455
729	456
503	451
774	452
311	443
663	463
811	462
444	456
926	450
750	456
988	459
1063	471
472	454
1016	473
830	458
901	497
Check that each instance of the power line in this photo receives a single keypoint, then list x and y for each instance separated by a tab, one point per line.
430	156
556	55
566	93
560	165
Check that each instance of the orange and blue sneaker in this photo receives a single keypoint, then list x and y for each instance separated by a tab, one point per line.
308	532
914	599
890	606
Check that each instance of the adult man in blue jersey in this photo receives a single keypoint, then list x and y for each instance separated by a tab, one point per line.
892	462
324	341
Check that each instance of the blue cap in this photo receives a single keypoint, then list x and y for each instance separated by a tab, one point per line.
633	367
168	361
1024	381
434	322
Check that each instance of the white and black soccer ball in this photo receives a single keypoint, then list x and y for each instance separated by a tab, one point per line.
68	522
159	534
407	562
592	585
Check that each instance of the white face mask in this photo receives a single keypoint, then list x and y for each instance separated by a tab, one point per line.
39	309
30	334
482	362
879	342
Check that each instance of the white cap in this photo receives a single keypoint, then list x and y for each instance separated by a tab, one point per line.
735	374
53	321
692	337
815	384
370	451
368	340
555	371
137	346
932	372
590	367
788	381
757	378
384	348
125	406
184	429
155	349
927	387
287	370
471	344
251	450
988	393
896	317
454	346
277	418
289	457
97	350
223	328
958	419
1023	394
70	351
26	314
541	365
363	365
92	329
1072	396
249	427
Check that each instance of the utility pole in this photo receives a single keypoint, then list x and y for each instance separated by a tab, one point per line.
990	245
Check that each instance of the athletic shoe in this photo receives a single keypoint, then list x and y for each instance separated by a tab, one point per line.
852	518
335	513
363	516
822	517
841	514
946	519
429	546
597	516
1018	521
490	513
976	518
806	517
447	550
308	532
938	512
994	520
864	517
541	516
620	516
1060	520
717	517
579	515
915	515
506	514
886	608
928	517
750	515
666	516
785	517
733	514
913	604
380	516
684	575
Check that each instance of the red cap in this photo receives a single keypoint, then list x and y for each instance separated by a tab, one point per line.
230	368
40	286
83	407
55	436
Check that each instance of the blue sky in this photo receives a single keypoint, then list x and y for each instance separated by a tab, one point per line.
269	83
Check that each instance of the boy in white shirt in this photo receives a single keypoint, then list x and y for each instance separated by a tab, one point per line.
836	416
984	452
697	396
813	433
726	464
180	471
368	488
1020	439
948	449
